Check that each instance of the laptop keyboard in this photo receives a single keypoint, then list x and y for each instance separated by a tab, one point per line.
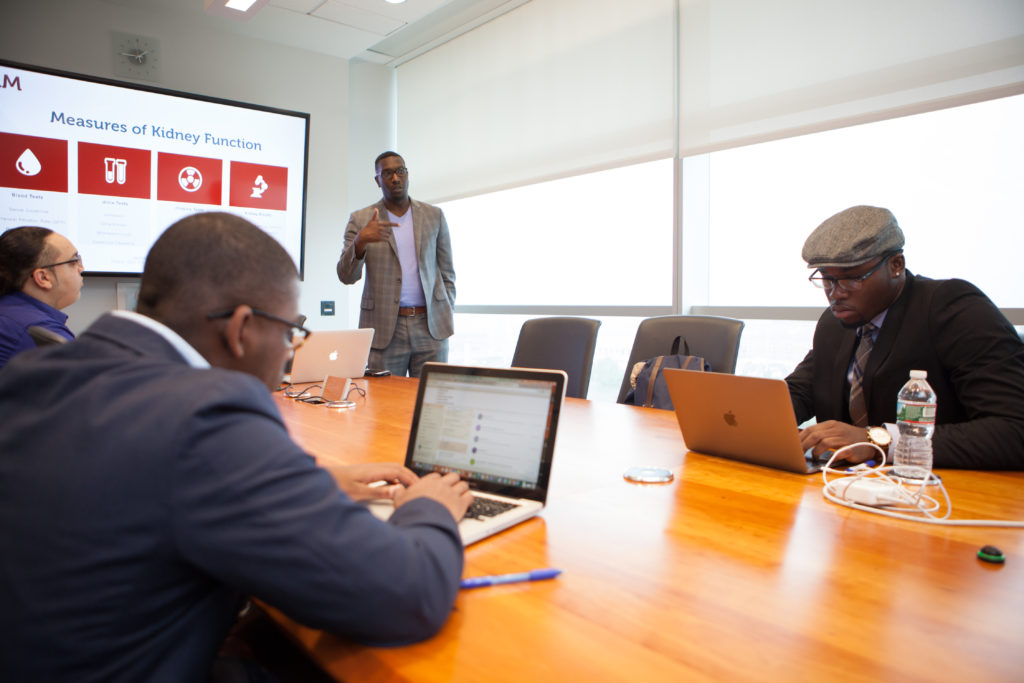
482	508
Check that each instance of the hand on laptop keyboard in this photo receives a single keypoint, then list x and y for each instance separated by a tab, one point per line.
448	490
487	507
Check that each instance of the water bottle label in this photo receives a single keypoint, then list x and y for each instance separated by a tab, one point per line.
916	413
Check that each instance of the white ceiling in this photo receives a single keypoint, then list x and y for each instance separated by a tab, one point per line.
369	30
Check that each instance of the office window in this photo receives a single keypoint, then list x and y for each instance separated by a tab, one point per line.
605	239
952	178
751	70
599	239
490	339
768	348
547	90
773	348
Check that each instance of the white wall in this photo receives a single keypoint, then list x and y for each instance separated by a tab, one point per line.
75	36
371	130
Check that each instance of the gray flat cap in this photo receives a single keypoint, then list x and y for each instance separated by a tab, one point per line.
853	237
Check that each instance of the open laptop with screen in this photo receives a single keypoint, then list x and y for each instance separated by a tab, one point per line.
496	428
740	418
341	353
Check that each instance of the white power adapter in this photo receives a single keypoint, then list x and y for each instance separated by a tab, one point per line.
873	490
865	491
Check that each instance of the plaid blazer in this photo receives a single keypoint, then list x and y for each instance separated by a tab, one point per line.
379	306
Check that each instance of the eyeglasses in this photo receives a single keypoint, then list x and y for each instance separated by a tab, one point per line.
389	173
847	284
297	334
76	259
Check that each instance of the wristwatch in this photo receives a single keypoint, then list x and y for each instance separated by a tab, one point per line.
880	437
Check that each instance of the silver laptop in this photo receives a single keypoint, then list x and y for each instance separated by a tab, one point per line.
741	418
496	428
341	353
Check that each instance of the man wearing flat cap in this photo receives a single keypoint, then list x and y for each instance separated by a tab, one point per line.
883	321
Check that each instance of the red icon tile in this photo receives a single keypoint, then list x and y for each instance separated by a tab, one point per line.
259	186
32	163
183	178
114	171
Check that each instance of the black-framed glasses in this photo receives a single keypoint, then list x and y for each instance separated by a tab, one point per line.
847	284
297	335
389	173
77	258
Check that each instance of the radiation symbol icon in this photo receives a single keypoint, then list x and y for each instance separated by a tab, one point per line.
190	179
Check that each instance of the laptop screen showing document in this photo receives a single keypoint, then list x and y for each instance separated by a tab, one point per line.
494	427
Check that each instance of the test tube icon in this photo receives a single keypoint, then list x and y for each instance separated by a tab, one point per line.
122	170
109	167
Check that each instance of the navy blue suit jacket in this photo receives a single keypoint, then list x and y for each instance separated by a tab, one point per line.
974	360
141	499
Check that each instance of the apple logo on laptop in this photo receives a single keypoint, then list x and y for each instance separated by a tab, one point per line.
730	419
333	355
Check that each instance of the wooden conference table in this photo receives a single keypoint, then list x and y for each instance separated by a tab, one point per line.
731	572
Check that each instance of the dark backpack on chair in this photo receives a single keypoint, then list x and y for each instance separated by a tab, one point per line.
650	390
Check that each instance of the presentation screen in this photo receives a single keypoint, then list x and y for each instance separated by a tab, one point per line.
111	165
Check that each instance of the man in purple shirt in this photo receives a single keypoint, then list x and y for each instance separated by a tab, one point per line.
40	274
409	295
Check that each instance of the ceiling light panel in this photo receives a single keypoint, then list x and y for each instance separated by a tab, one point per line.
221	8
239	5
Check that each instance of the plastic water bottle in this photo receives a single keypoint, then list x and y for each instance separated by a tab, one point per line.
915	417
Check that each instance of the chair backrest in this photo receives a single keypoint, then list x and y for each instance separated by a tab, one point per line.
714	338
559	343
44	337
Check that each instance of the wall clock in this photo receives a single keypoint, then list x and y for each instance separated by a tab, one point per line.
136	56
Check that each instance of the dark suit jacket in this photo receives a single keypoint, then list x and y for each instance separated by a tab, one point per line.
975	364
379	308
141	499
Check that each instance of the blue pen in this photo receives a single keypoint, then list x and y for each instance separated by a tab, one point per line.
535	575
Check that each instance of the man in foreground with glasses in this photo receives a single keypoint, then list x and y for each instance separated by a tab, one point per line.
409	296
40	274
884	321
149	485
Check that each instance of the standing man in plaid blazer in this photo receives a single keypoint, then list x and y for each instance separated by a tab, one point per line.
409	296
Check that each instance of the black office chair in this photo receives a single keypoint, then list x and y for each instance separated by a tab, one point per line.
44	337
559	343
714	338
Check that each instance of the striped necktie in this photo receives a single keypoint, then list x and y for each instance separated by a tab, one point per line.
858	407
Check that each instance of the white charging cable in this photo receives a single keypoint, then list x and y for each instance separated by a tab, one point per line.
872	489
